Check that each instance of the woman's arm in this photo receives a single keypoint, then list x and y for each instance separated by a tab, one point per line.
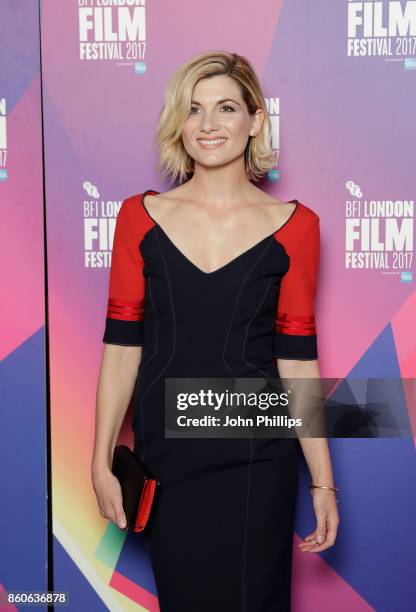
118	373
318	459
117	378
316	450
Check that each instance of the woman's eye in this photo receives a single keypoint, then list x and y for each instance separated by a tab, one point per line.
226	106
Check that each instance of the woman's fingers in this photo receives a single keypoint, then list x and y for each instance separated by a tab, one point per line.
110	500
320	531
119	516
118	513
331	532
309	543
311	546
308	539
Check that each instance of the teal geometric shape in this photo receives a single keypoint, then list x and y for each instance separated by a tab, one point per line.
110	545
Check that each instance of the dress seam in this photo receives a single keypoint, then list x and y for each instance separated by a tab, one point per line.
243	282
173	321
247	326
142	366
244	568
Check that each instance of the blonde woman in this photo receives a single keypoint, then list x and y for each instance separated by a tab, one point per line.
213	278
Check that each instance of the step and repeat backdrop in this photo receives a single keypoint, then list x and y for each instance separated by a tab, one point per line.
340	85
23	341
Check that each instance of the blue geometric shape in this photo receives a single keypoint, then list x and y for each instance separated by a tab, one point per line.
134	562
380	359
368	408
68	577
374	549
23	517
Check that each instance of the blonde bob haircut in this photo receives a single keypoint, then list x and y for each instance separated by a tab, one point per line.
173	158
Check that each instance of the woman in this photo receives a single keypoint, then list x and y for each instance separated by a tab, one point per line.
213	278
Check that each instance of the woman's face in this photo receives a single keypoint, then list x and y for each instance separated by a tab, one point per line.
218	112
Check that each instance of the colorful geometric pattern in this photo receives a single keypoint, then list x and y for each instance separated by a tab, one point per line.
23	392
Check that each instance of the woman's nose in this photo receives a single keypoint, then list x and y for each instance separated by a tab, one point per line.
208	122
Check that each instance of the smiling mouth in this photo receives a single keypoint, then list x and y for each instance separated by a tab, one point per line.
211	142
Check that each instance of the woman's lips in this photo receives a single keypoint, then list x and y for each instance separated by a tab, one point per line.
206	145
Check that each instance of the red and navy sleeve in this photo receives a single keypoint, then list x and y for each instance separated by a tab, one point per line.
124	320
295	334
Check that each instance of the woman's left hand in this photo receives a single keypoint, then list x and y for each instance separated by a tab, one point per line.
327	521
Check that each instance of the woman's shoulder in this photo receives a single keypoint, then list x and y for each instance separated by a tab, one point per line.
301	229
306	222
303	210
156	204
134	214
301	219
308	212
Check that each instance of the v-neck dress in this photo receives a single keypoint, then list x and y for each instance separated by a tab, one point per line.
220	533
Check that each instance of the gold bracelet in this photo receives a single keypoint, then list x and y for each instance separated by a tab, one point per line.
335	489
312	486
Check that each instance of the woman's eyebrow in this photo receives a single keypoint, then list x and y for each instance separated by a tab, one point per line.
218	102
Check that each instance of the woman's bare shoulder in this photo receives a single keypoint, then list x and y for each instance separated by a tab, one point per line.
171	195
290	205
158	204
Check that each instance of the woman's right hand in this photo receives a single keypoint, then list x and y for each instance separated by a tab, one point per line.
109	496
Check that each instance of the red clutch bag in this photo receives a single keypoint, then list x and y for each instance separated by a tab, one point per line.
137	487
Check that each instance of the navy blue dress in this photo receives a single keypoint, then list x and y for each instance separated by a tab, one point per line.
221	530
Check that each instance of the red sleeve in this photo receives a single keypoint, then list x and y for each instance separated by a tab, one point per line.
295	334
124	320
